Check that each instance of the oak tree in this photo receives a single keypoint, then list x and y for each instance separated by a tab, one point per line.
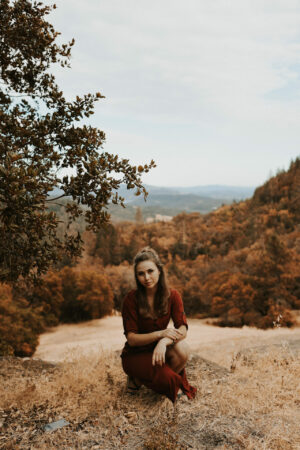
46	147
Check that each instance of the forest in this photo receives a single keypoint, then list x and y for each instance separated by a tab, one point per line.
238	265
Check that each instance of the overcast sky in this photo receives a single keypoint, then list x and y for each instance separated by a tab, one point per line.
209	89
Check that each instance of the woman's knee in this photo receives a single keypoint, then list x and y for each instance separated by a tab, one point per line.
182	351
178	354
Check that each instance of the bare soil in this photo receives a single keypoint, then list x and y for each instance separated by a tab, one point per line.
211	342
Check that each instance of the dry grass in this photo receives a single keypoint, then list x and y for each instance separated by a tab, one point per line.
254	406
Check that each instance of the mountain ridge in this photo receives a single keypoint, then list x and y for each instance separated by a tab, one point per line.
210	191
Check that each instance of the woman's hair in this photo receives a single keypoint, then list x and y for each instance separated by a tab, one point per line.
161	299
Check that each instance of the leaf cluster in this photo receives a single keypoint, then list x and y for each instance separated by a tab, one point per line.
47	148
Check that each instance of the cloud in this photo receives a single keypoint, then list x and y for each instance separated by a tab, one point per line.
228	71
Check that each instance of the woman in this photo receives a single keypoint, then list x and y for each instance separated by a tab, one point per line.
154	355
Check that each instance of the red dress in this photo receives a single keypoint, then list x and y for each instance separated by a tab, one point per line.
137	361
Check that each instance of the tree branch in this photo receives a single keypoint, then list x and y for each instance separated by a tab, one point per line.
55	198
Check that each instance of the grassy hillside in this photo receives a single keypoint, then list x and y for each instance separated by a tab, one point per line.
252	403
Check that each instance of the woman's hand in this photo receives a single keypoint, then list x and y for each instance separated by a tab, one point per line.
159	353
172	333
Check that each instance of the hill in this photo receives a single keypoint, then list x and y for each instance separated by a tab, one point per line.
238	265
171	201
222	192
166	201
250	403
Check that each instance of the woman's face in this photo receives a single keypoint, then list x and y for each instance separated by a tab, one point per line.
147	273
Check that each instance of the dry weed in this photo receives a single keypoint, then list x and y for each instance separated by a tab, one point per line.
255	406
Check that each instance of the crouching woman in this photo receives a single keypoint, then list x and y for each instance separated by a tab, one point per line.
155	355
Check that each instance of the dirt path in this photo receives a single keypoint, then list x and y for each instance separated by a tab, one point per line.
67	341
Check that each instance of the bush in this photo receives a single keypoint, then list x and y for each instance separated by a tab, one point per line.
48	297
73	295
86	295
66	296
19	325
121	280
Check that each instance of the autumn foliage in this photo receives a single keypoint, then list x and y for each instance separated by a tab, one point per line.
19	324
238	265
66	296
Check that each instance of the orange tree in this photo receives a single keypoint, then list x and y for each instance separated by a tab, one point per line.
46	148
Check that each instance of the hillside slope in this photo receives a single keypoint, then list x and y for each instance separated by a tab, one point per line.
239	263
252	403
174	200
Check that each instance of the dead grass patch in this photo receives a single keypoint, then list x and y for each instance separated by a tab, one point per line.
255	406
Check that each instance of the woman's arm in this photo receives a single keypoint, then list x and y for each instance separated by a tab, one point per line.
169	341
183	331
159	353
180	323
170	335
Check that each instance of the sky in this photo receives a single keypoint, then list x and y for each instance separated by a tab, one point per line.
208	89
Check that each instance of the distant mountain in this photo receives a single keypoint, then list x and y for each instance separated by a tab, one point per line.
173	200
211	191
166	205
180	202
219	191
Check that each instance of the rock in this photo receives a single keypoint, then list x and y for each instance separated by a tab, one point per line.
56	425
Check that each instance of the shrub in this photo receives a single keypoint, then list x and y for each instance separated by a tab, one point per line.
86	295
48	297
19	325
121	280
66	296
73	295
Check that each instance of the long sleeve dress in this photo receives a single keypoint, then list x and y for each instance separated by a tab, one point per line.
137	361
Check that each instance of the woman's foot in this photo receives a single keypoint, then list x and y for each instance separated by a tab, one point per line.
133	384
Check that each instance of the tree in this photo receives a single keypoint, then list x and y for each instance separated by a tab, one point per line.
48	298
19	324
107	245
139	216
44	150
86	295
